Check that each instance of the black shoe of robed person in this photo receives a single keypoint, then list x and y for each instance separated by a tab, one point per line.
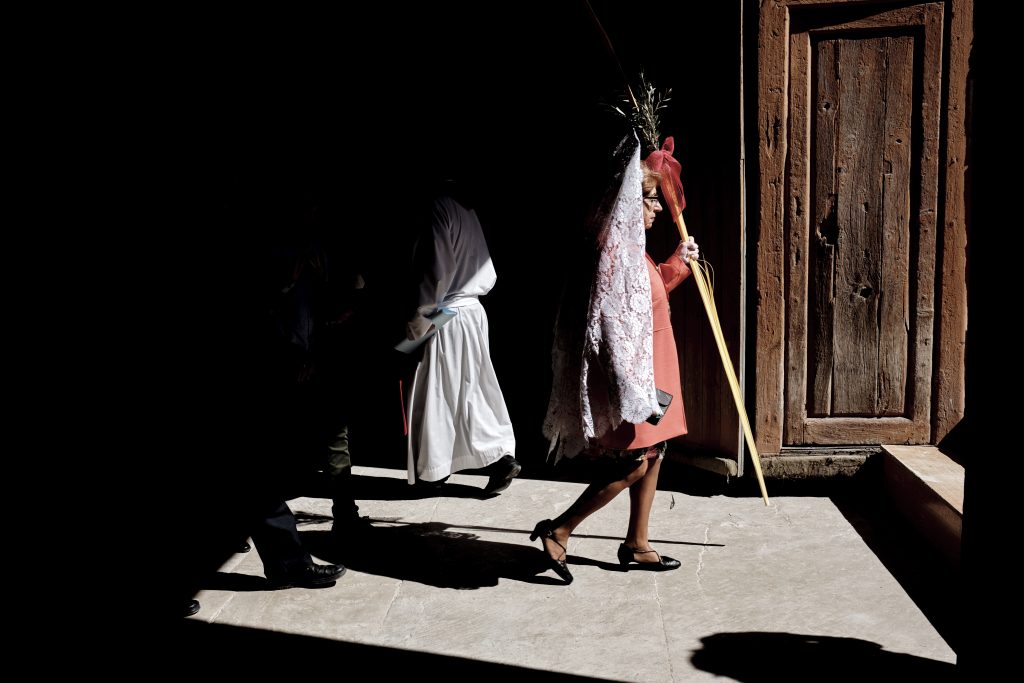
310	576
190	607
430	485
502	473
627	558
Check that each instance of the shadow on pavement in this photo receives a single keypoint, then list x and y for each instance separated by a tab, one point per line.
205	649
759	656
432	553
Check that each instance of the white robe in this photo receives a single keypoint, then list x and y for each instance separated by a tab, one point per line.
457	414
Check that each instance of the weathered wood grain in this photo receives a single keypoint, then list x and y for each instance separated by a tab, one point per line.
773	50
850	103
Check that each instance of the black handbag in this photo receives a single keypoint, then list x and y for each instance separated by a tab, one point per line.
664	399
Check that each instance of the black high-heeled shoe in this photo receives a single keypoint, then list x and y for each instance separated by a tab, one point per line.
543	530
627	556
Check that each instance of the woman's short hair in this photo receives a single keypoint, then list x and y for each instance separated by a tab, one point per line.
651	177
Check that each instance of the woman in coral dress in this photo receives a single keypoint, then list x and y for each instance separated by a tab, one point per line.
632	446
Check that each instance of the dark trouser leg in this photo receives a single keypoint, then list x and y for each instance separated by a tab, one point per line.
276	538
344	508
339	466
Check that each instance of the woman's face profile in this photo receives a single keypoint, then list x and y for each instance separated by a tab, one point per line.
652	206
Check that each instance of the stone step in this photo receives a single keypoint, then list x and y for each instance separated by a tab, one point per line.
927	487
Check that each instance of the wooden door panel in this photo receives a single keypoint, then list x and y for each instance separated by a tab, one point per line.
850	96
860	290
866	157
859	69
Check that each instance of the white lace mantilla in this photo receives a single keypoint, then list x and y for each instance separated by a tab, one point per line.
605	376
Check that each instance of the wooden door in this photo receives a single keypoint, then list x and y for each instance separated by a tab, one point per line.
862	301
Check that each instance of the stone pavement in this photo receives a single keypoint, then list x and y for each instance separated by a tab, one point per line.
450	585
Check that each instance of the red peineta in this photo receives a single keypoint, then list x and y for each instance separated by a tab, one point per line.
664	164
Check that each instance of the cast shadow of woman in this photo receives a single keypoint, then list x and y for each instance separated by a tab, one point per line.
431	553
435	554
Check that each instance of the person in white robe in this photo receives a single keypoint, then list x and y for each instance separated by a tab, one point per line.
456	412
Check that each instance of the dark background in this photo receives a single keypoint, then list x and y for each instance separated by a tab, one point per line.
232	116
251	109
188	132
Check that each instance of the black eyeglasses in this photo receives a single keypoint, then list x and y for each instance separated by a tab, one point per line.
652	200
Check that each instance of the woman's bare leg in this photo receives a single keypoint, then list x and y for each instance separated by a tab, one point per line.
641	500
595	497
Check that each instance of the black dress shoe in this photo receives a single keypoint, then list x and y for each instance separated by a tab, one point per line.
190	608
245	547
503	472
543	531
627	558
309	577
